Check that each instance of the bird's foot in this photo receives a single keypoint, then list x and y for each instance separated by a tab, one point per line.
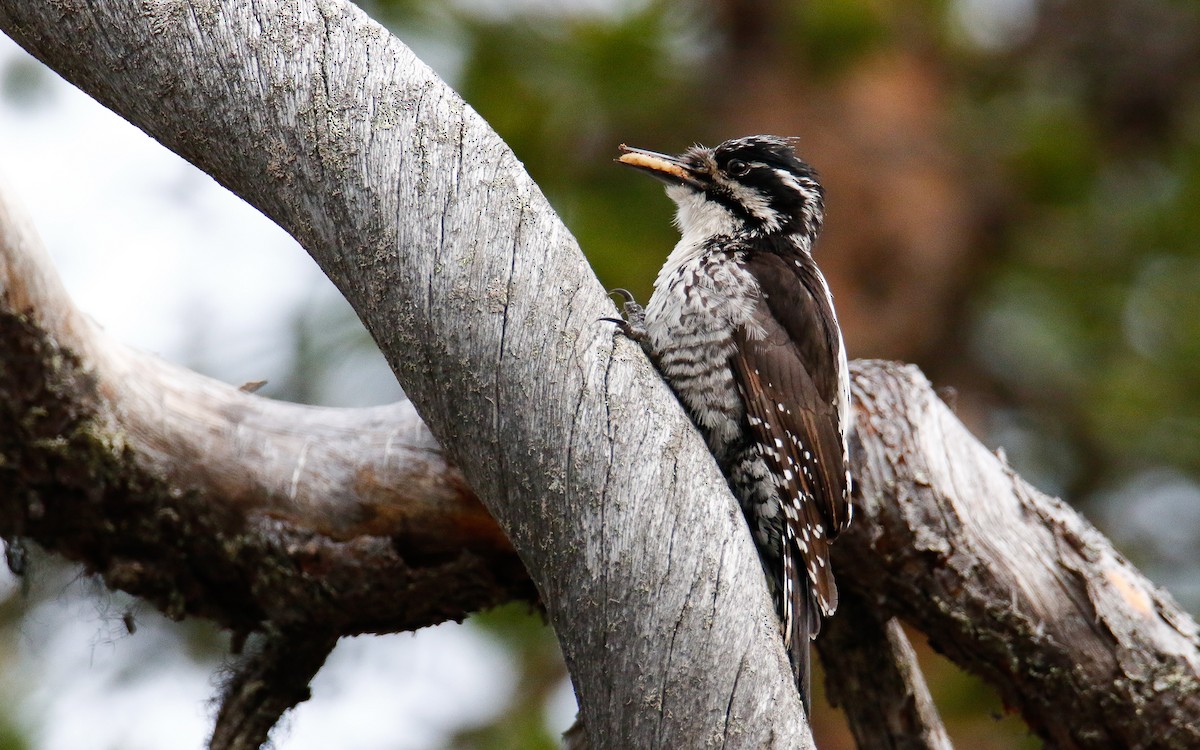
633	324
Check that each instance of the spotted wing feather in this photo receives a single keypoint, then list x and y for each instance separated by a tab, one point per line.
786	364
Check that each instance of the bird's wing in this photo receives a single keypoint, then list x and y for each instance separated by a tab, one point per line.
786	364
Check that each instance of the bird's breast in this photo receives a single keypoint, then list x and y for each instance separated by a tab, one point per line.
691	319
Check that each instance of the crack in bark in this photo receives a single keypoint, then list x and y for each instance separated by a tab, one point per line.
737	677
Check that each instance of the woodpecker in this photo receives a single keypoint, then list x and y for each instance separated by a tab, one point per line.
741	325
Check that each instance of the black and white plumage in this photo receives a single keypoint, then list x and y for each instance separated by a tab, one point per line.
741	325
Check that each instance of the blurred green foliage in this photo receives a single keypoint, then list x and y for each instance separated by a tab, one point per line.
11	738
828	37
1096	312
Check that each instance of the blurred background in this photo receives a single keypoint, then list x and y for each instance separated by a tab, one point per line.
1013	205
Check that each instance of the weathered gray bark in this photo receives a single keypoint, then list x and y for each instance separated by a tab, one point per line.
1009	583
486	310
209	501
80	477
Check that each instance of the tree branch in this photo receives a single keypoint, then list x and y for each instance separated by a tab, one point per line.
1009	583
871	671
487	311
213	502
304	523
271	679
943	527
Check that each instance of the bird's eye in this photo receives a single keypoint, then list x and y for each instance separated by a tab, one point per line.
737	168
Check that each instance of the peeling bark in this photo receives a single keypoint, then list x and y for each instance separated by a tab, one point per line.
1009	583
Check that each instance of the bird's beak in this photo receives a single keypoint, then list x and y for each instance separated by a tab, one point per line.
669	169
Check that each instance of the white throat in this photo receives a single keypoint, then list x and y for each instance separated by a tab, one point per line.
698	218
699	221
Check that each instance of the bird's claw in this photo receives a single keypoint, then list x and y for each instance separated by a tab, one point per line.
624	294
629	330
630	310
633	324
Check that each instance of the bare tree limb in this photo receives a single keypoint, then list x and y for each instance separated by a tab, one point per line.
214	502
871	671
271	679
304	523
487	311
1010	583
943	528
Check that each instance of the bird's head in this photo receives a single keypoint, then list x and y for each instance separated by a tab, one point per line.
746	186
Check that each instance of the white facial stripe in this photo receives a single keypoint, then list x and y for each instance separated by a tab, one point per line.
787	178
755	201
699	219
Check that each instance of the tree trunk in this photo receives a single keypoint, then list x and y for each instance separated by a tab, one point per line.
488	314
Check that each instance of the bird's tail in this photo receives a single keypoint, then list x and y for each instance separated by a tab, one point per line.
806	623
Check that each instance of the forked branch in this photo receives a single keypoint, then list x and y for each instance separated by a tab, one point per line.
205	500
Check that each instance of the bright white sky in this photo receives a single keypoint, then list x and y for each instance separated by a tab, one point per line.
167	260
148	245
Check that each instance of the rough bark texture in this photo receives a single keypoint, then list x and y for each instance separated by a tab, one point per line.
943	530
1010	583
872	674
209	501
487	311
271	679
